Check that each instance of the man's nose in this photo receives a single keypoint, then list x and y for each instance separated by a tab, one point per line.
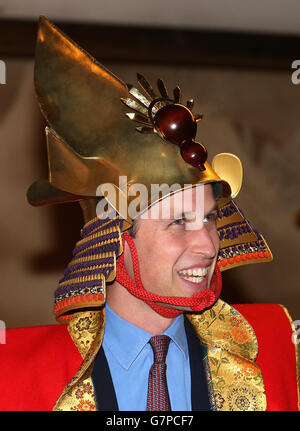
204	242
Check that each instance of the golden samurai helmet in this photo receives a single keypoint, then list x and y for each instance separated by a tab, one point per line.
100	129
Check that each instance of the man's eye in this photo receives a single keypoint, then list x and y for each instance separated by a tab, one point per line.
210	218
178	222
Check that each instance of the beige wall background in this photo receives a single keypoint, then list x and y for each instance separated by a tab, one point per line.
252	114
267	16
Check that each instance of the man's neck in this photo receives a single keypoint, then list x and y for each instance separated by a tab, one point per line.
135	311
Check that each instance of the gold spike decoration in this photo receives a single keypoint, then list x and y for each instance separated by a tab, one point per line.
145	129
190	103
139	118
146	86
198	117
138	95
177	94
136	106
162	88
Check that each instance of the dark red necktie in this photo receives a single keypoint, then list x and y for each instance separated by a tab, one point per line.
158	395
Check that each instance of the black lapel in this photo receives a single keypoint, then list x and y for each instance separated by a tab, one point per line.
197	352
104	388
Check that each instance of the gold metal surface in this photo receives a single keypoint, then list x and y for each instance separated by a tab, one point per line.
229	168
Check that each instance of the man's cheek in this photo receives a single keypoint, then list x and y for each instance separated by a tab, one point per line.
149	265
216	240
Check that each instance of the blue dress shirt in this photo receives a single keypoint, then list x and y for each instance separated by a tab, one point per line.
130	356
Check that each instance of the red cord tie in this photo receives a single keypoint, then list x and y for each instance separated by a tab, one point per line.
197	302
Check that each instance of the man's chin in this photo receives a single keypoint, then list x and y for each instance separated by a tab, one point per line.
195	303
189	288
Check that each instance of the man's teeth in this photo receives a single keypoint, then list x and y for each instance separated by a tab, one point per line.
195	275
200	272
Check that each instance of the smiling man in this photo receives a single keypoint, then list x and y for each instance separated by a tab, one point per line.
177	256
143	326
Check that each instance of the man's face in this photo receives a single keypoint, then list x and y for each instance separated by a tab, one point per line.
177	255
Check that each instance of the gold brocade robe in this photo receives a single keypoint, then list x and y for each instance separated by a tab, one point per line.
235	381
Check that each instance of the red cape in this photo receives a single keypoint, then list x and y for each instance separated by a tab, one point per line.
36	363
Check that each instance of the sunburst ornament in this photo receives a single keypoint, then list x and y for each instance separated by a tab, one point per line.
169	118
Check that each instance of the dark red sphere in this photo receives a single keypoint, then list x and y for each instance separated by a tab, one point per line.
193	153
175	123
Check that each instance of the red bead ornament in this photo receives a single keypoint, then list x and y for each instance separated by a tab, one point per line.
193	153
175	123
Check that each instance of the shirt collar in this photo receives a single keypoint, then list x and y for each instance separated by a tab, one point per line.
126	341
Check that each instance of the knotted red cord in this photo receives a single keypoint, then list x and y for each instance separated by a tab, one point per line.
197	302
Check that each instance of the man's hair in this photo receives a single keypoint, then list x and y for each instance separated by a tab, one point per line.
132	231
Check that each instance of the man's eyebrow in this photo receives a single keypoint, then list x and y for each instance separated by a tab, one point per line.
183	215
190	213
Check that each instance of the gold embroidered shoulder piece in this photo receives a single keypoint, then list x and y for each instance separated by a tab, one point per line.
234	379
86	330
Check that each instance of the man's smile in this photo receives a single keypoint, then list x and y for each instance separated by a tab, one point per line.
195	276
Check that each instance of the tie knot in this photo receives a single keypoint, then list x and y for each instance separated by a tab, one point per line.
160	346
